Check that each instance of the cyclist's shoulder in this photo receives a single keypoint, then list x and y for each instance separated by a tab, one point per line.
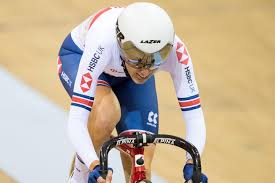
101	26
98	29
179	56
179	45
104	18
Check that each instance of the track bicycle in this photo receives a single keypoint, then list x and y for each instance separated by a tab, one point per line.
133	144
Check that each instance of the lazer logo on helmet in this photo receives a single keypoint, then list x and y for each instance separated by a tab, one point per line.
95	58
189	79
150	41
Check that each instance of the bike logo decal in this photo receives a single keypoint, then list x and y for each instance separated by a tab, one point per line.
86	82
165	141
182	54
152	119
139	160
125	141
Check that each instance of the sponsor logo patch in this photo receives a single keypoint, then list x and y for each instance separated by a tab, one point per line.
96	57
182	54
86	82
152	119
189	79
66	78
116	71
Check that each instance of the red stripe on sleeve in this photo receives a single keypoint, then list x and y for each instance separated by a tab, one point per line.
190	103
82	101
103	82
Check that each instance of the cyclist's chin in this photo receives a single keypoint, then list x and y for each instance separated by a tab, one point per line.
140	80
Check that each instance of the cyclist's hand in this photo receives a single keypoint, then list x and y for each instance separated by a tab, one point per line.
188	173
94	176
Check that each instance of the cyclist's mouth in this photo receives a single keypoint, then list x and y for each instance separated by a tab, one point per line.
141	77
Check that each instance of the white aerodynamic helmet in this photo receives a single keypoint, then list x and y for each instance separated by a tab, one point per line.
145	34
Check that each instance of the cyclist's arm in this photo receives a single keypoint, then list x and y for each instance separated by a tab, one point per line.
92	64
180	66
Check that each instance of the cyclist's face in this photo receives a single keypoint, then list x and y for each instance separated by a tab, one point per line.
139	76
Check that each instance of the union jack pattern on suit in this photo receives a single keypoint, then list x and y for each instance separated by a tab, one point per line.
190	103
82	101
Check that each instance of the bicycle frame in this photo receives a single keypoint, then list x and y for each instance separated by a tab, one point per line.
137	157
136	154
136	150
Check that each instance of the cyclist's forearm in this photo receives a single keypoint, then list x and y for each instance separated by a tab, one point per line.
80	138
195	129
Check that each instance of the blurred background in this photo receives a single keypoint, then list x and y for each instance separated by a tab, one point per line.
232	44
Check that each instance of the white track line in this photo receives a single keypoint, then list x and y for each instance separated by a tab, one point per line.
33	137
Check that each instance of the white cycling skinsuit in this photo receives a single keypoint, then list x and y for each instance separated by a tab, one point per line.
96	37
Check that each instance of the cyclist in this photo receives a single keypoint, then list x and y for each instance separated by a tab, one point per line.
106	64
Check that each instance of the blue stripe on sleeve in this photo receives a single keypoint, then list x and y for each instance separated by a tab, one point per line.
191	108
83	96
82	106
188	98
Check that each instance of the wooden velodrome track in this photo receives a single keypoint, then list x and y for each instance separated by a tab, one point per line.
232	43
